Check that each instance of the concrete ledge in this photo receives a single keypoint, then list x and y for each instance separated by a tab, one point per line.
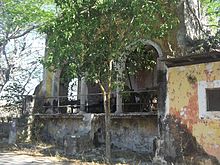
129	115
62	116
80	116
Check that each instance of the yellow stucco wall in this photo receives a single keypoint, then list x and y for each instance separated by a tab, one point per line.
182	102
49	84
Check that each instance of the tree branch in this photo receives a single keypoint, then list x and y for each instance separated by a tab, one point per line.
5	55
128	29
24	33
28	80
212	26
4	41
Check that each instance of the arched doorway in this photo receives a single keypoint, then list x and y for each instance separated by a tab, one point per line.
141	71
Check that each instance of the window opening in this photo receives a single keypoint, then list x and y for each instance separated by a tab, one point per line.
213	99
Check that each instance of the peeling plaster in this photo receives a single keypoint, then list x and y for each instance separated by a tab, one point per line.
187	100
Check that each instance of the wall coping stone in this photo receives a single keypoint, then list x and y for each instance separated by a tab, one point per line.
80	116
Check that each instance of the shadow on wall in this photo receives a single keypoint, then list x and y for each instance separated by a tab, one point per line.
177	144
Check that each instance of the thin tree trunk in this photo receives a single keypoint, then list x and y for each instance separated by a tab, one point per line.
108	115
107	108
108	129
106	99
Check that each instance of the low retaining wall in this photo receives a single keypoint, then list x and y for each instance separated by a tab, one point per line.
4	130
132	131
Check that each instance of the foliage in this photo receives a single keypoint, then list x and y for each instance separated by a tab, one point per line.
18	16
208	25
19	62
212	10
141	57
89	34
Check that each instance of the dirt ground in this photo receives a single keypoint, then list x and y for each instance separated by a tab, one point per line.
16	158
26	154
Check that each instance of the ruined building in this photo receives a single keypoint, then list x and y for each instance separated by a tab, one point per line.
169	102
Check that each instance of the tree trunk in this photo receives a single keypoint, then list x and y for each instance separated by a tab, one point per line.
106	99
107	108
107	127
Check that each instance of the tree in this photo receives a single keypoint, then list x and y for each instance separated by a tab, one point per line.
23	58
90	38
208	20
212	10
19	64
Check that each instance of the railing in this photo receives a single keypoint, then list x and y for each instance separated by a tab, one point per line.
139	101
132	101
93	103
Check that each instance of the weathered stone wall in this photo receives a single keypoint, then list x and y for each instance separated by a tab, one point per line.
136	133
53	129
178	146
129	131
4	130
186	100
8	130
13	130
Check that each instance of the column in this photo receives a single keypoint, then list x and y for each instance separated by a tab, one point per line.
83	96
120	66
118	101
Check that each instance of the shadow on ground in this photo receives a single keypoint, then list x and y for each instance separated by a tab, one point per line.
25	154
97	155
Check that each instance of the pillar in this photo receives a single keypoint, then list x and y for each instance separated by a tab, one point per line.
84	94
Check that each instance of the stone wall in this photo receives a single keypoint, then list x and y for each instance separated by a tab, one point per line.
13	130
4	130
53	129
135	132
178	146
